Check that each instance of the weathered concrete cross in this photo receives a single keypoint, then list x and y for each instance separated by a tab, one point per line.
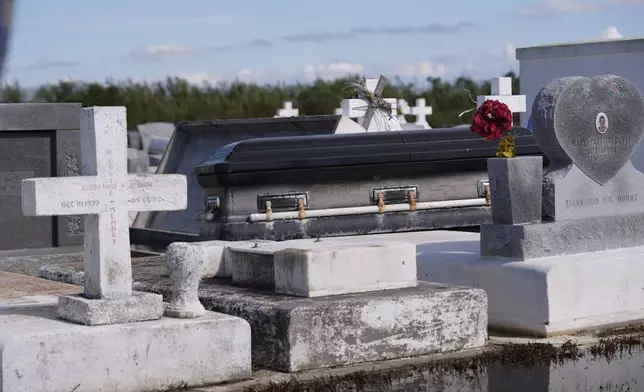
104	194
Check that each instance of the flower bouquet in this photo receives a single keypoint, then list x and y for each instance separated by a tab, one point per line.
493	121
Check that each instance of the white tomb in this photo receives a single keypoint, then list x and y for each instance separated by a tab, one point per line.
287	110
123	341
421	111
502	92
357	108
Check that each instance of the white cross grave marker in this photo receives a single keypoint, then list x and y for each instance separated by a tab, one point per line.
502	92
287	110
421	111
357	108
404	110
105	193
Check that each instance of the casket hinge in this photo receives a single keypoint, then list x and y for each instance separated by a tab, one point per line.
211	210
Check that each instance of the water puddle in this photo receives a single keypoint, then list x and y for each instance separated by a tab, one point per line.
615	364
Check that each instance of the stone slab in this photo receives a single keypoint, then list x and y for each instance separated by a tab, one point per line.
546	296
48	354
15	286
312	268
567	237
342	269
137	307
294	333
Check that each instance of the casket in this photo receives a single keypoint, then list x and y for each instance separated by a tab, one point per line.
336	185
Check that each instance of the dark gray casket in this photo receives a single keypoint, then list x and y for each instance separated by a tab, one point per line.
334	185
192	143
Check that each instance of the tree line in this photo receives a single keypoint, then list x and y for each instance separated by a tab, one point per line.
175	99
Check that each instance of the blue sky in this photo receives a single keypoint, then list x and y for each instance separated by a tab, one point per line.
287	40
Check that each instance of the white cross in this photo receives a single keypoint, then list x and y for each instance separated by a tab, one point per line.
287	110
104	194
421	111
404	110
357	108
502	92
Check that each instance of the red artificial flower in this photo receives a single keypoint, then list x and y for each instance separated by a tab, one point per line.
491	120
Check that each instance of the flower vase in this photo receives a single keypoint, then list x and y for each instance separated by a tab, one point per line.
516	189
186	268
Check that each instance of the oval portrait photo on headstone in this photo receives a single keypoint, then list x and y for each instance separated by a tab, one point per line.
601	123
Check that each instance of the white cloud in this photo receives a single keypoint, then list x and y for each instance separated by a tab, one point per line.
544	6
424	69
571	6
165	51
611	33
199	77
245	75
333	70
510	52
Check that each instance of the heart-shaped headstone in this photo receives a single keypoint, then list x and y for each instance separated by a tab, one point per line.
595	123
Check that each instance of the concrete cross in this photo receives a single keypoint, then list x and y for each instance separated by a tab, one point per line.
502	92
421	111
404	110
105	194
287	110
360	107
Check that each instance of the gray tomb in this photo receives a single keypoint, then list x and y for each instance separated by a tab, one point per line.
571	259
37	140
193	142
588	128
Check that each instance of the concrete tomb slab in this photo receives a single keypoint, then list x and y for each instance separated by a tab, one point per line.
307	331
121	357
326	267
295	333
544	296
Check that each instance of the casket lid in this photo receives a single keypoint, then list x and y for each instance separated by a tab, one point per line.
370	148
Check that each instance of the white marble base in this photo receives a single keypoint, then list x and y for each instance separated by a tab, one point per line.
547	296
43	353
332	266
